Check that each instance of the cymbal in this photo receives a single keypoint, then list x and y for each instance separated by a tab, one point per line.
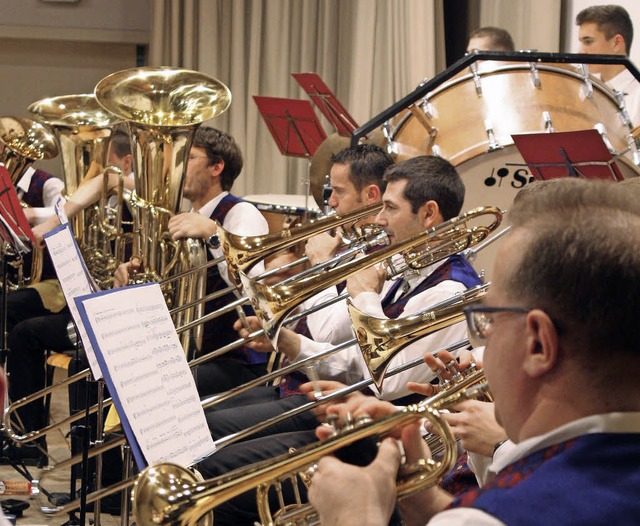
321	161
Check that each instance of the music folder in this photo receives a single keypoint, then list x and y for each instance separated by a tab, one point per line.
147	373
326	102
581	153
293	125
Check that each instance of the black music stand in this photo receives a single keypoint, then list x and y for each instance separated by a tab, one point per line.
293	125
580	153
327	102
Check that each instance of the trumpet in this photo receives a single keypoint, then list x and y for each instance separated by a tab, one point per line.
170	494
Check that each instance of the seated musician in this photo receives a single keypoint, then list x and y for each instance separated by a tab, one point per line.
215	162
561	361
420	193
38	315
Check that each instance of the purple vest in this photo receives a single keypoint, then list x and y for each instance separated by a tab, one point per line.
219	331
590	480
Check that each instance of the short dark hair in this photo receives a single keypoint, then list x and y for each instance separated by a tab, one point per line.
367	164
120	143
430	178
500	38
581	262
220	146
612	20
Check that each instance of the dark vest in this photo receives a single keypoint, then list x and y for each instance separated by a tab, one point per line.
590	480
219	331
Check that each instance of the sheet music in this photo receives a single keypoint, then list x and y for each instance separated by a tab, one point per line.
74	280
147	374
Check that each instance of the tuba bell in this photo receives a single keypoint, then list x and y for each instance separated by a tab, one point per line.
25	141
162	108
83	129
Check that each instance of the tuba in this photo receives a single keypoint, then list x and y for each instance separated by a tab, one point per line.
163	107
25	141
83	129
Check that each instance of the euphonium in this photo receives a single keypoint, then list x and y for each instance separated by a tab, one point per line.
83	129
162	108
25	141
169	494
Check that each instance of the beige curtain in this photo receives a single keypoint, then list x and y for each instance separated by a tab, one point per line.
533	25
369	52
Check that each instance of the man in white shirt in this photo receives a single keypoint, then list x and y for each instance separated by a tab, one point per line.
608	30
562	363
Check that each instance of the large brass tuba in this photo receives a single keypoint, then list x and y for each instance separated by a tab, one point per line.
25	141
163	107
83	129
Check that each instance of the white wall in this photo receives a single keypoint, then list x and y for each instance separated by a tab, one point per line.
575	6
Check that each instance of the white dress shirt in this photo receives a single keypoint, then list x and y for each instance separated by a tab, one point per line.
51	192
243	219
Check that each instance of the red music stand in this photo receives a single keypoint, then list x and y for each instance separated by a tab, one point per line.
14	224
293	125
580	153
327	102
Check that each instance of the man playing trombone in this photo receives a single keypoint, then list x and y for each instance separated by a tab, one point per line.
562	363
421	193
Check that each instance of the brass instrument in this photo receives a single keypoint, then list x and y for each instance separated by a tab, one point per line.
163	108
272	303
83	129
381	339
25	141
170	494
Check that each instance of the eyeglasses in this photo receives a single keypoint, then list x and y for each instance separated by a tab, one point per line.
480	321
192	157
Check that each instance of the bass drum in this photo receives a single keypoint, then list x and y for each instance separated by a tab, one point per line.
494	179
470	119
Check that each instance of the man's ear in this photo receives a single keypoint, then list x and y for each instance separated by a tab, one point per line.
373	194
216	168
619	44
429	214
542	344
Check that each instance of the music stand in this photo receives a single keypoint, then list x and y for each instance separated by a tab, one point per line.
293	125
327	102
580	153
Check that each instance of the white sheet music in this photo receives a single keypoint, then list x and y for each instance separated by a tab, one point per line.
147	373
74	280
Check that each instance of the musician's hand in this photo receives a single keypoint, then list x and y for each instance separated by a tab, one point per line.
344	494
191	224
438	364
322	247
260	343
369	279
475	424
125	271
40	230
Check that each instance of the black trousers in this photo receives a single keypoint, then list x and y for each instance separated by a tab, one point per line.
32	329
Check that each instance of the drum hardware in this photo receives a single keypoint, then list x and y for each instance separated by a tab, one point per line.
427	107
422	119
493	143
476	78
603	133
535	75
624	114
548	125
584	70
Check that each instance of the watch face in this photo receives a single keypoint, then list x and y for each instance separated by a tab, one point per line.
213	241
